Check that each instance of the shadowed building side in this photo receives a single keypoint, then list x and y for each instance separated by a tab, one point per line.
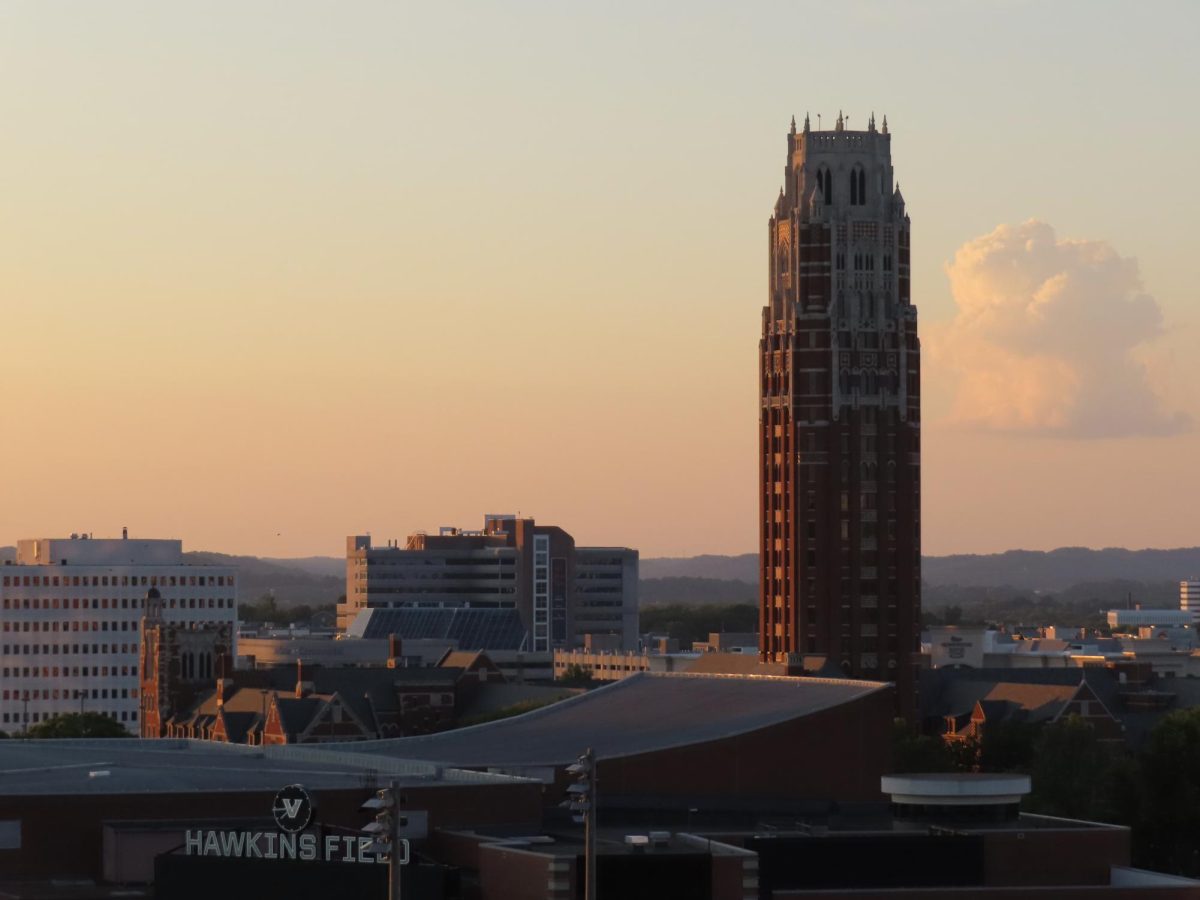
839	419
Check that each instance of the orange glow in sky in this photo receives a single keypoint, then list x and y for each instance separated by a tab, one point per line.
274	275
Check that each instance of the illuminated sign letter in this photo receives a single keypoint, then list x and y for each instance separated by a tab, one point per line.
308	847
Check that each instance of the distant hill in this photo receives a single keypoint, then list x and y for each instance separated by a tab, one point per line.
1109	575
326	566
291	581
695	592
1057	570
743	567
1030	570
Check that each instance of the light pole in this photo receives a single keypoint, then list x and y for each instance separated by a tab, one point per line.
581	801
386	831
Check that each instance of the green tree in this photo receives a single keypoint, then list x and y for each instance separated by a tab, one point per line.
1170	822
576	676
695	623
1008	746
913	753
78	725
1070	768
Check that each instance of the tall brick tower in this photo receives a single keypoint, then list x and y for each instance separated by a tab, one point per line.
840	414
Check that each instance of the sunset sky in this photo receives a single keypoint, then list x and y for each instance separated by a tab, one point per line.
275	273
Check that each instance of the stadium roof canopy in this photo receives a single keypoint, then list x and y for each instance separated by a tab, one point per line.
643	713
169	766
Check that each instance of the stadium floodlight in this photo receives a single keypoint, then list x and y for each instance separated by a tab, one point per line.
385	831
581	801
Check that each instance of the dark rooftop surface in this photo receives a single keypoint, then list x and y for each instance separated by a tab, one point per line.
639	714
132	766
472	629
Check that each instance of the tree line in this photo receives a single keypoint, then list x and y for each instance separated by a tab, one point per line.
1076	775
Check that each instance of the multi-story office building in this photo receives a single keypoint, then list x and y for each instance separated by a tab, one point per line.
839	422
70	611
1189	597
547	591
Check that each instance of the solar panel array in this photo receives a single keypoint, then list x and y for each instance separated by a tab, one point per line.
474	629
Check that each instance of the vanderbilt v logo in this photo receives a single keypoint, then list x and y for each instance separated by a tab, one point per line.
291	807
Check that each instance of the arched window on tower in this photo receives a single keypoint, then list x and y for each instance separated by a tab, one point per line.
862	187
854	187
826	180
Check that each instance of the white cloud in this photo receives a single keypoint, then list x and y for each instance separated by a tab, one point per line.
1045	337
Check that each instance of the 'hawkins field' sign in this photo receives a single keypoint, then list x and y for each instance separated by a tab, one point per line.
293	811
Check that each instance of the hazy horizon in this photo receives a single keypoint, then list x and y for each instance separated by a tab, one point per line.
271	279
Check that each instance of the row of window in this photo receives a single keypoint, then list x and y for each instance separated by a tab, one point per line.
71	694
66	649
114	603
75	625
69	672
35	717
115	581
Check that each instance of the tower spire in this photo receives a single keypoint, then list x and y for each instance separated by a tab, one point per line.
840	122
806	122
885	131
793	124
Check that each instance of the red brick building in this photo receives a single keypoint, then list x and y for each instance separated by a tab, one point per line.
839	426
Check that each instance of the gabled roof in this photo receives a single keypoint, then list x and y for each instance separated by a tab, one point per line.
368	691
466	659
1040	692
237	724
297	713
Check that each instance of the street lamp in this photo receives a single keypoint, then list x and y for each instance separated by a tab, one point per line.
581	801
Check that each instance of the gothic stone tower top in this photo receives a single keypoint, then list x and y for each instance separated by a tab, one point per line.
839	420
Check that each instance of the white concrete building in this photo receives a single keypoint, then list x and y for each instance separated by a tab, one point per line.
70	611
1136	618
1189	597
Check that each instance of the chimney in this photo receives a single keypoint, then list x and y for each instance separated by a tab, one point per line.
124	534
394	651
299	678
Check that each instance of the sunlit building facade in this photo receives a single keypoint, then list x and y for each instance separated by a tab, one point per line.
839	423
70	611
533	578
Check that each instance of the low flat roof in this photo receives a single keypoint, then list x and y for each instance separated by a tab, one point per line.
639	714
134	766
